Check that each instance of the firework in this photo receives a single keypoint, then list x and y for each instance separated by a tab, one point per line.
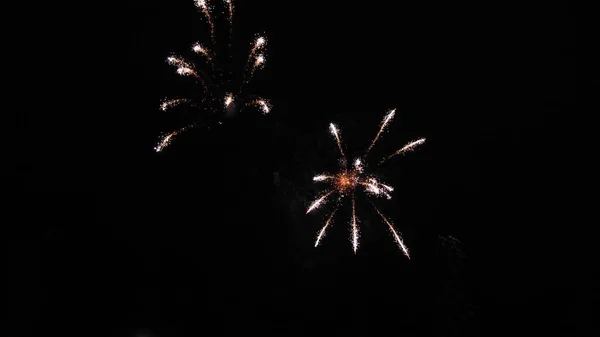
222	89
350	180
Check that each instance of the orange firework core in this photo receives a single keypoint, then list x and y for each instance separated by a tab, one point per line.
346	180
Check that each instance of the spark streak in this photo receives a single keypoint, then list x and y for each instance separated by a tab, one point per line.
200	49
354	227
259	44
201	4
334	131
318	202
385	122
228	100
263	104
230	18
406	148
322	177
167	104
183	68
322	231
260	59
166	139
396	236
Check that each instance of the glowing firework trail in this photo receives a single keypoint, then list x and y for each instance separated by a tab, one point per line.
354	227
385	122
259	44
334	131
263	104
200	49
322	231
406	148
228	100
201	4
166	139
396	236
183	68
259	60
322	177
347	181
167	104
230	19
318	202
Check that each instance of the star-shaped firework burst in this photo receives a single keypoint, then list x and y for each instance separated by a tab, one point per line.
347	181
221	90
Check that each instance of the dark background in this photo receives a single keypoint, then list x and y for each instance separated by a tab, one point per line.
210	238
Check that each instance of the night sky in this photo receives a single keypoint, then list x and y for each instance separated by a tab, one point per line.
210	236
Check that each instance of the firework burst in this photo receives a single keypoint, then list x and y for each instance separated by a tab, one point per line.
345	183
221	89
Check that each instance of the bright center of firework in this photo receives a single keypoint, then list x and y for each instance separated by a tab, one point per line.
228	100
346	181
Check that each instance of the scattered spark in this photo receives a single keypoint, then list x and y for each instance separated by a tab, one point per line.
167	104
346	182
406	148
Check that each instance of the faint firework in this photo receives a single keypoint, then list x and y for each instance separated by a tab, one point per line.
347	181
221	89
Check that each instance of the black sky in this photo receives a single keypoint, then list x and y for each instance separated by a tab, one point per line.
210	236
